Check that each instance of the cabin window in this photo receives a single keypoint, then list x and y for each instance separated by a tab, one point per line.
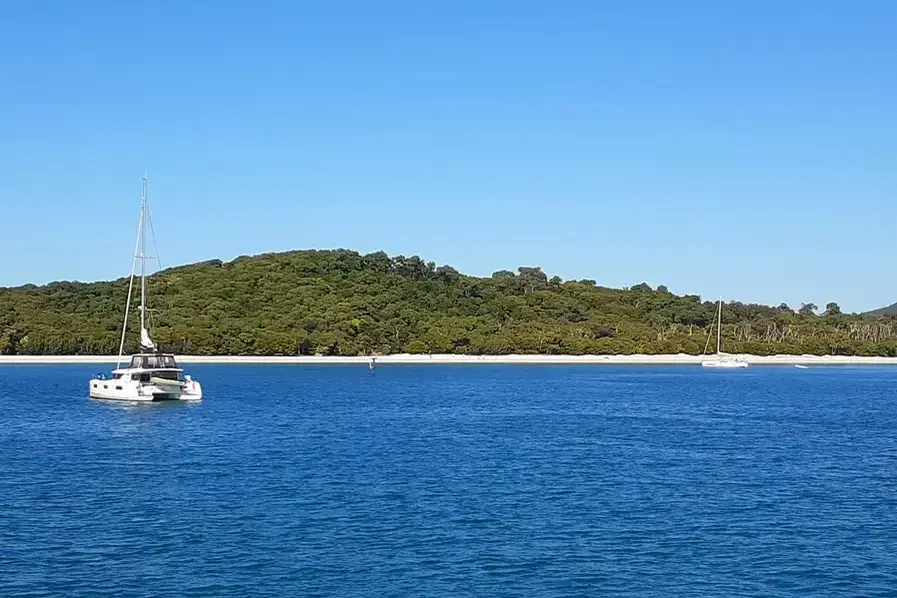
153	361
116	376
142	361
118	388
105	386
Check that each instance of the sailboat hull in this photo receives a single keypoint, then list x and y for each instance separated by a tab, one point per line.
724	364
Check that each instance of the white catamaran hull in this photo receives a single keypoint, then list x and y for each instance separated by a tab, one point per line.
119	390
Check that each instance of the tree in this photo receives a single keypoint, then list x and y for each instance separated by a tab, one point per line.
832	309
533	273
807	309
447	274
531	278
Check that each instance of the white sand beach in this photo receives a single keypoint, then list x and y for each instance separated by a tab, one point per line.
407	359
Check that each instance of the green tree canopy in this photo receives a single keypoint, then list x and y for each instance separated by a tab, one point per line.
341	302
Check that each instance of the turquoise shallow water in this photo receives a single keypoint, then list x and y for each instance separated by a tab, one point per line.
453	481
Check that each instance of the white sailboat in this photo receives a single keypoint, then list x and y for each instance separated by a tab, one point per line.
721	359
151	374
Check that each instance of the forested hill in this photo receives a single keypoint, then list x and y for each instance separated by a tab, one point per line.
890	310
344	303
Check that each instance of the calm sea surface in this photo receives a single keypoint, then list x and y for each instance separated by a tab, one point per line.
451	481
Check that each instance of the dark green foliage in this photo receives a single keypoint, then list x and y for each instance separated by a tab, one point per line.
344	303
807	309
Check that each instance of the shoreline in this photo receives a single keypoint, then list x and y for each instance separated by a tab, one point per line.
408	359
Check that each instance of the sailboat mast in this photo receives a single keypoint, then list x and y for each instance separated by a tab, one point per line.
143	258
719	324
124	327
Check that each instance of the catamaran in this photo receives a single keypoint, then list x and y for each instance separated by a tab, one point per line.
151	374
721	359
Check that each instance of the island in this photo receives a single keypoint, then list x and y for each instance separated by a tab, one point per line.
344	303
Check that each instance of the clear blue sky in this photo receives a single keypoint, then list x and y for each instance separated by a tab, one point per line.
743	149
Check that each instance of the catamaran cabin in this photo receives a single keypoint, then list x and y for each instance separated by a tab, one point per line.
153	361
146	366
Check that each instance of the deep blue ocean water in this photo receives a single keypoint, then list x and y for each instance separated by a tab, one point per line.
452	481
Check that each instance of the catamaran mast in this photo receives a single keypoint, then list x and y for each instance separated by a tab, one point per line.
719	324
143	259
